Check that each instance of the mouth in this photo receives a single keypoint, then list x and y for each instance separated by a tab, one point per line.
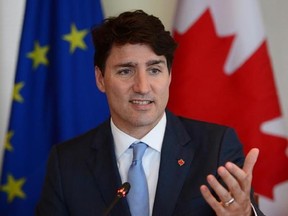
141	102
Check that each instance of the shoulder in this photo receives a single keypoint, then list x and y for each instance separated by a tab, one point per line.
193	126
201	124
203	132
216	140
82	143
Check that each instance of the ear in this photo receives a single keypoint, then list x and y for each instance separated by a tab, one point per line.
170	76
99	79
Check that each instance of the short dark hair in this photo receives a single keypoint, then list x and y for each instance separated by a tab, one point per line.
132	27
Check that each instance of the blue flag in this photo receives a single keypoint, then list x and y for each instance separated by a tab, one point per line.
55	96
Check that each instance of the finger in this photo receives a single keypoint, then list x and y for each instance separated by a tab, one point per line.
244	179
211	200
250	160
231	182
221	192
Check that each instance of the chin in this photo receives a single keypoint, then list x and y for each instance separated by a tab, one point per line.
145	121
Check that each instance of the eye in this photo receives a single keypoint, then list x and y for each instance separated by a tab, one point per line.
154	71
124	71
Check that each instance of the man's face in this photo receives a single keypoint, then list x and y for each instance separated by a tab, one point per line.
136	82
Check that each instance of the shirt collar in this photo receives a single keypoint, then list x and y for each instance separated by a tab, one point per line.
153	139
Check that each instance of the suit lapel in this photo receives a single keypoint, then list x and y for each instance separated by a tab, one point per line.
103	165
176	156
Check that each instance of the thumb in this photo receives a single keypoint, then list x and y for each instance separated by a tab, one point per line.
250	160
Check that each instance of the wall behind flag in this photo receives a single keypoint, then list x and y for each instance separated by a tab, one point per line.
11	14
275	18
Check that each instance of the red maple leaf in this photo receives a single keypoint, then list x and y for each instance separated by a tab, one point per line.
244	100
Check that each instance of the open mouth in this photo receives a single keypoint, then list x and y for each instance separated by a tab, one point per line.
141	102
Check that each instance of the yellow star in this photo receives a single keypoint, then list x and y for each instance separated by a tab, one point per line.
38	55
8	146
76	38
16	92
13	188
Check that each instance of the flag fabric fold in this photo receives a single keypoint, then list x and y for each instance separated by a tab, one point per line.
54	98
222	73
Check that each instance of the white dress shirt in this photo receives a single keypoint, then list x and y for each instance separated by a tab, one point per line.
150	160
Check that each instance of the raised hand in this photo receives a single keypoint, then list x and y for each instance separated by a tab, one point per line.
236	199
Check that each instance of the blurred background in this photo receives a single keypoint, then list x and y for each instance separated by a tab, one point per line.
274	16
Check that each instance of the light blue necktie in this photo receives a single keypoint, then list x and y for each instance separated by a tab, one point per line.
138	197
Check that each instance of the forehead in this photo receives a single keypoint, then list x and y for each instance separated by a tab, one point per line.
137	53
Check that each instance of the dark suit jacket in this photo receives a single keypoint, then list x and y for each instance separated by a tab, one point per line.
82	174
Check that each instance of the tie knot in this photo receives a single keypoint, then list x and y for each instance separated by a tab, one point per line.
138	150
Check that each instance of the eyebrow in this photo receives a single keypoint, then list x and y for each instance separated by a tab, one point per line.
155	62
126	64
149	63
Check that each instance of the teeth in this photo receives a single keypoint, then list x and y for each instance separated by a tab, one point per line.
141	102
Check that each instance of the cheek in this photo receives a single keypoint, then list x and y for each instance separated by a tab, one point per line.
165	89
116	90
166	92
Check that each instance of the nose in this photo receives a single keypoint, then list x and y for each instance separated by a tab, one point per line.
141	83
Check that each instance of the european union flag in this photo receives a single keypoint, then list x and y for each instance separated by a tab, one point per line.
55	97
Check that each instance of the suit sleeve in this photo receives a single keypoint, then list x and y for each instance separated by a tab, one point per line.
231	149
52	200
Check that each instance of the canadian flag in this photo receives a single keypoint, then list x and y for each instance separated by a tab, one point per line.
222	73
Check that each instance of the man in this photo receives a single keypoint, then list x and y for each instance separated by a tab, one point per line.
180	156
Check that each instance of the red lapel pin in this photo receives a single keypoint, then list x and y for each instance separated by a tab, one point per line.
181	162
